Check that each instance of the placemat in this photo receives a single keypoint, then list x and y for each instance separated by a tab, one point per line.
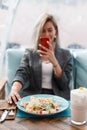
65	113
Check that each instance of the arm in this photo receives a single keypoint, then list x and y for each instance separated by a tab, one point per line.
21	77
14	95
57	68
23	72
64	78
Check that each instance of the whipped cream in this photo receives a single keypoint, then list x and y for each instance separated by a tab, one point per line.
79	96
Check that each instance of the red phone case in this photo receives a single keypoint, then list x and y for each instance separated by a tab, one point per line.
43	41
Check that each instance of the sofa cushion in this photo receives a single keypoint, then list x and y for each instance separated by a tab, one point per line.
13	59
80	65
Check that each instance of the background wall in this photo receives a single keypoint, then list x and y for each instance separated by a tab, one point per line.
17	22
71	16
3	19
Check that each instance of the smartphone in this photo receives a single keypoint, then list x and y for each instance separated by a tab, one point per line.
43	41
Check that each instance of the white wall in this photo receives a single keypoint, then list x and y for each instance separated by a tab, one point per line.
71	16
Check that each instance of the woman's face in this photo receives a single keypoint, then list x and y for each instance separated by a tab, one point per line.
49	31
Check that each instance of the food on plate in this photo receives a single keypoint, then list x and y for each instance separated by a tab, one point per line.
41	105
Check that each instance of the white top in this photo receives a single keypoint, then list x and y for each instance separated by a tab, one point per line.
47	68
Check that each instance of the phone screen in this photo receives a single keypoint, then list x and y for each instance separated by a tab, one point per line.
43	41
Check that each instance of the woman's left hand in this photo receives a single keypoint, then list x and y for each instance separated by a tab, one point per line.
48	53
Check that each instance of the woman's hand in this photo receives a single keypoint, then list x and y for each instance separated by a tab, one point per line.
48	53
13	97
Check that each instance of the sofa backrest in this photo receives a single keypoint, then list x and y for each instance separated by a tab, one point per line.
12	61
78	74
80	65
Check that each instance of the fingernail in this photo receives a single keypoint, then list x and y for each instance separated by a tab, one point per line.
10	102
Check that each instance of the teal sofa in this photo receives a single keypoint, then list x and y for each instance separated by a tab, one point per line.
12	61
80	67
78	74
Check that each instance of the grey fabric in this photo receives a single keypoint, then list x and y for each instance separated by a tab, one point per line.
30	70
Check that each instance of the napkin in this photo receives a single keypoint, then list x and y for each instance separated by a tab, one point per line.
65	113
5	106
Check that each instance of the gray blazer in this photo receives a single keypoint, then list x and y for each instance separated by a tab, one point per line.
29	73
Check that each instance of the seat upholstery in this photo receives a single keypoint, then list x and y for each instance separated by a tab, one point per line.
13	59
80	64
78	74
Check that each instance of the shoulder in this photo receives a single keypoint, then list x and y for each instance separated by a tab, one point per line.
63	52
31	53
64	56
28	50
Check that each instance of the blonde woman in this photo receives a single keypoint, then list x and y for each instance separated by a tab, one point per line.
43	70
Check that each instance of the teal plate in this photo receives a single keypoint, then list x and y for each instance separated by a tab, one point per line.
63	103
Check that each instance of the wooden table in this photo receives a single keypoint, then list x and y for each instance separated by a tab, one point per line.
62	123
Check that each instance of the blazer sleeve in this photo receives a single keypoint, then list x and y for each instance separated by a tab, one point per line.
22	73
63	81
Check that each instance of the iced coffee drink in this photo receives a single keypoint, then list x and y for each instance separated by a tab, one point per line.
79	106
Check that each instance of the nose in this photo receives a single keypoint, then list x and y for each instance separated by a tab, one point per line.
47	33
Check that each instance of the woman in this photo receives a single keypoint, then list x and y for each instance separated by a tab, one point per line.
46	69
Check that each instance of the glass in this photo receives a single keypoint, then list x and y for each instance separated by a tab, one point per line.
79	106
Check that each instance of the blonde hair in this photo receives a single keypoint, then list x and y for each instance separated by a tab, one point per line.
39	27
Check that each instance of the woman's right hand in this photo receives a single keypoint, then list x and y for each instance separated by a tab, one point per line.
13	97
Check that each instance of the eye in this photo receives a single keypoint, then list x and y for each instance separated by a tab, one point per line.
50	30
